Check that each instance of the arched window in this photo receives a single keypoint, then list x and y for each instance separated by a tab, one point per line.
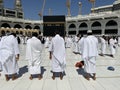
37	27
72	26
83	25
28	27
96	24
111	23
5	25
17	26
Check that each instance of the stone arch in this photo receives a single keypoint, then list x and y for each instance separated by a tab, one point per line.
17	26
83	28
83	25
96	24
72	29
111	27
37	27
5	25
111	23
96	27
28	27
72	26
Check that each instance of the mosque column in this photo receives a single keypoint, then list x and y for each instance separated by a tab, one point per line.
119	27
89	25
77	28
67	29
103	26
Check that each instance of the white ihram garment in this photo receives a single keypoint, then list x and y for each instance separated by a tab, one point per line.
57	48
8	50
103	45
112	46
76	49
47	42
68	42
80	45
90	52
33	55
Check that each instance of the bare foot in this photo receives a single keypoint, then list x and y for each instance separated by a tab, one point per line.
87	78
53	77
61	76
14	77
94	78
39	77
30	77
7	78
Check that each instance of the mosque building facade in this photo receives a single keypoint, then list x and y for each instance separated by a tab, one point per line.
13	20
101	20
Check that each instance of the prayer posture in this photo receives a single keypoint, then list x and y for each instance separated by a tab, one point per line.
9	55
89	54
57	54
33	55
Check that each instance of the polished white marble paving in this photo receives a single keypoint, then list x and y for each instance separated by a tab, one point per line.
73	80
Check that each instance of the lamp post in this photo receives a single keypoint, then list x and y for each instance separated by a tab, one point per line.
93	4
68	7
42	10
50	11
80	8
40	14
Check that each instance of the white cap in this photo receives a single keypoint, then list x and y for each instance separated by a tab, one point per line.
103	34
89	31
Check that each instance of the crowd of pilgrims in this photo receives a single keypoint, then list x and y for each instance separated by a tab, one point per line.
73	42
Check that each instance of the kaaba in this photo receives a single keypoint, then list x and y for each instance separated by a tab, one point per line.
52	24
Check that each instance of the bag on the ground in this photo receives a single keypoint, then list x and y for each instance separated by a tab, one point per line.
79	64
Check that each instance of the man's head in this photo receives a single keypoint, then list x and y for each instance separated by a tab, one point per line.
35	34
14	34
103	36
89	32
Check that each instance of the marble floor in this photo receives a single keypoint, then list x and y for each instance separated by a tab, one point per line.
73	80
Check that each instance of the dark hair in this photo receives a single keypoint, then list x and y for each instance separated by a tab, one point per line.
35	34
14	34
89	33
